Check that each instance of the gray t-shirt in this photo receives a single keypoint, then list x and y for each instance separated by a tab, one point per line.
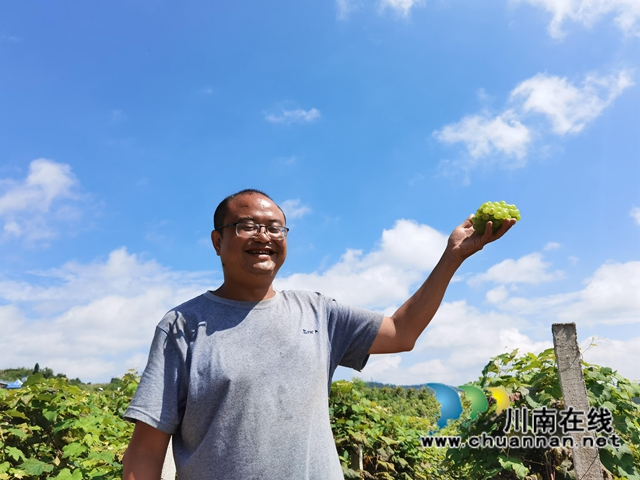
243	386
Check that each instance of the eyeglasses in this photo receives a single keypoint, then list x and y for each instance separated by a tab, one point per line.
249	230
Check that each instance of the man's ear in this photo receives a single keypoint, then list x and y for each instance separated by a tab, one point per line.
216	240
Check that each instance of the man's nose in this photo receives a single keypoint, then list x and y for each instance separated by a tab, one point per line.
262	233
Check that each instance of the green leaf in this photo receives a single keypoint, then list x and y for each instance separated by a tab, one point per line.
515	466
106	457
73	450
50	415
65	474
387	440
35	467
33	380
531	402
16	414
16	432
15	453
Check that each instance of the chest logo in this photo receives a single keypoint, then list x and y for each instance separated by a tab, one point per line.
307	332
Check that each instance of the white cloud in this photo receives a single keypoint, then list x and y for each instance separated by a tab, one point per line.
635	214
507	138
551	246
346	8
401	7
528	269
96	320
568	107
610	297
293	208
31	208
47	180
588	12
484	135
455	347
497	295
379	365
621	353
92	321
293	116
381	277
462	338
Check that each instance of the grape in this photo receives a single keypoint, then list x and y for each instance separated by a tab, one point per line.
496	212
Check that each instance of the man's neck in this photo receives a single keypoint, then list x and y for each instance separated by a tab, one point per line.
245	294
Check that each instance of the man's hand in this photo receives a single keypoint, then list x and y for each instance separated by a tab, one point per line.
399	332
464	241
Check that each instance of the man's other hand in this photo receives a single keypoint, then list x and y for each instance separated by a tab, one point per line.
464	241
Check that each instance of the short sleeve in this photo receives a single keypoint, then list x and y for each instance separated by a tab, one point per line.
351	334
160	398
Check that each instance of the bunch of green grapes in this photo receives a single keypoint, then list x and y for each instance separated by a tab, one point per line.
496	212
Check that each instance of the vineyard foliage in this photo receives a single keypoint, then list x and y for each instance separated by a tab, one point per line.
532	381
53	429
386	423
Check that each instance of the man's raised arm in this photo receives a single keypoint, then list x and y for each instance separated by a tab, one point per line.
399	332
144	457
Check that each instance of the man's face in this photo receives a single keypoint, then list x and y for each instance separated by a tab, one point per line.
256	258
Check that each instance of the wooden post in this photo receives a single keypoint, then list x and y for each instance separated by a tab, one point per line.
586	460
169	466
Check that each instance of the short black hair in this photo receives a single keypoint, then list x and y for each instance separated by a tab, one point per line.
223	208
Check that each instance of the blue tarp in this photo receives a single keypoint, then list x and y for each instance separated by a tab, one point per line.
14	384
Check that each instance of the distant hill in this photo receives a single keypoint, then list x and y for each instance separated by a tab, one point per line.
11	374
391	385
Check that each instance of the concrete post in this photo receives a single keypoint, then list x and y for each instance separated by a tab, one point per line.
169	467
356	459
586	460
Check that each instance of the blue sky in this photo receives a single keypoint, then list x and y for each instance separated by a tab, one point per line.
377	125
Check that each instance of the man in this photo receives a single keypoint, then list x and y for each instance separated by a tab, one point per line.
240	376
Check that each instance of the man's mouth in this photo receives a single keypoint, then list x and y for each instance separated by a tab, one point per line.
260	252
